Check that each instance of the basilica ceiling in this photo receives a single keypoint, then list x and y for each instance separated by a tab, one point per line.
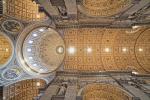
41	37
82	48
85	49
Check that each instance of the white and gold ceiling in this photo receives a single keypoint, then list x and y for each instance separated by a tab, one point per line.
42	50
38	48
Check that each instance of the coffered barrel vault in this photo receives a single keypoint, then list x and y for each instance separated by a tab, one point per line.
107	50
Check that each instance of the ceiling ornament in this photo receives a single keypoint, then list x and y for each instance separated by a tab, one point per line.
12	26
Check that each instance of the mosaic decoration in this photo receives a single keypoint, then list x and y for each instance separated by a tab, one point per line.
11	74
12	26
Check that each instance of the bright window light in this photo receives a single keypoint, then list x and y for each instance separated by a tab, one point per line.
38	84
89	50
34	64
29	50
37	16
140	49
7	49
71	50
30	41
41	29
107	49
124	49
34	34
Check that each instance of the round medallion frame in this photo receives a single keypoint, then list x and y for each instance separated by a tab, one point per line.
12	26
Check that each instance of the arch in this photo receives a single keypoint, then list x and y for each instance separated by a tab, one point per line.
142	50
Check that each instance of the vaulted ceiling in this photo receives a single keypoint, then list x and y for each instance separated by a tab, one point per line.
107	50
75	36
88	46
